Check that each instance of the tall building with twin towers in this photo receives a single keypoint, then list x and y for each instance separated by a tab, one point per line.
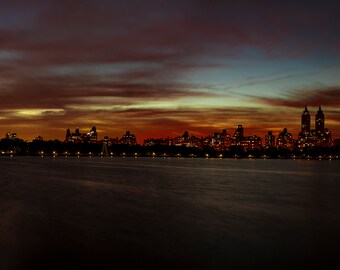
320	136
319	121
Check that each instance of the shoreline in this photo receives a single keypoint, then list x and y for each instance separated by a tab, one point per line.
333	157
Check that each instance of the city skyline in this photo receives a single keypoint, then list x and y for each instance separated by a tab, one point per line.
306	134
315	143
159	68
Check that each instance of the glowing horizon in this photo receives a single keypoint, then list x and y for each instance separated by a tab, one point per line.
158	69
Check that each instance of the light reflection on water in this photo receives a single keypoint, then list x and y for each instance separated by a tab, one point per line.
168	213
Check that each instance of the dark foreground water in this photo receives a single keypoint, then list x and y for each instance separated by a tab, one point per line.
144	213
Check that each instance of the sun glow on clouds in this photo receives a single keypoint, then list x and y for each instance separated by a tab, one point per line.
37	112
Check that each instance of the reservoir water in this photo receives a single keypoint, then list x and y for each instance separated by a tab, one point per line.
168	213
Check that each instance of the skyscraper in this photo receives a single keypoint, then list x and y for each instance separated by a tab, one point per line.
128	138
92	135
285	140
238	135
68	135
269	140
319	121
305	121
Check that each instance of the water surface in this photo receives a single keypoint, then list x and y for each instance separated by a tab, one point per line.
168	213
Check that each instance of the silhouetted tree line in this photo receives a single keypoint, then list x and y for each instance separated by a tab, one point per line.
59	148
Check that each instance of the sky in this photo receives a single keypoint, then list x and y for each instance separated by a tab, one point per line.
158	68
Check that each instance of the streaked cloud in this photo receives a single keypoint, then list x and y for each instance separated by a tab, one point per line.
305	97
163	66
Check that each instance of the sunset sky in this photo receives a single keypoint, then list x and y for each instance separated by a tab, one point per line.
158	68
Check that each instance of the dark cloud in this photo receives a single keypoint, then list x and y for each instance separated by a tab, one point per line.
173	33
61	92
308	97
85	31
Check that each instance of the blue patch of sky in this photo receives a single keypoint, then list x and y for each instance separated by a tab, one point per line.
18	19
253	73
